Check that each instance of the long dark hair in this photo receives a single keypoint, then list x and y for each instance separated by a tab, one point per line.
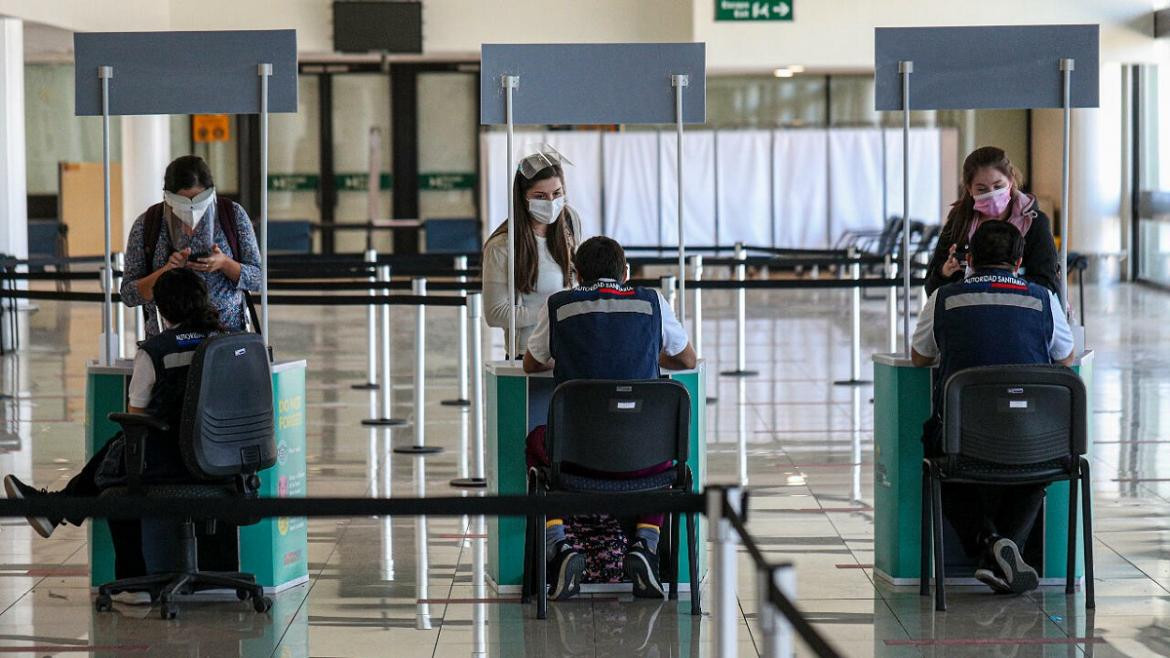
181	297
963	211
185	172
561	240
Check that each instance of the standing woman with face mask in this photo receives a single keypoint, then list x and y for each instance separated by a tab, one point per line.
546	238
193	228
991	192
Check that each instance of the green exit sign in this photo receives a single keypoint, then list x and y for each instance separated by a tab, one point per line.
753	10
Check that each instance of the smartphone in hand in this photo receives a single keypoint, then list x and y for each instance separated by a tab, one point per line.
199	257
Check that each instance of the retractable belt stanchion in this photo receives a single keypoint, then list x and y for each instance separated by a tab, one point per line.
461	401
475	314
854	325
371	383
667	285
420	447
776	630
386	387
740	318
120	267
892	304
723	538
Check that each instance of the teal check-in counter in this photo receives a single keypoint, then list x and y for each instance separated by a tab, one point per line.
516	403
902	401
275	549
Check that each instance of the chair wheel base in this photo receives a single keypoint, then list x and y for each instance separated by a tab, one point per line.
418	450
469	483
384	422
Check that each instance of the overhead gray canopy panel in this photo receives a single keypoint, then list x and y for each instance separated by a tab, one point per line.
987	67
593	83
185	72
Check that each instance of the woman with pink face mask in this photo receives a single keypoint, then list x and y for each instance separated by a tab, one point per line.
991	192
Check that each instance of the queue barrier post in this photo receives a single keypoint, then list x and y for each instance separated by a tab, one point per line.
723	536
420	447
891	272
775	629
475	315
120	309
461	333
854	324
371	259
386	418
740	318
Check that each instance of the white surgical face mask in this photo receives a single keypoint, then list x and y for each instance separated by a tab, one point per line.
190	211
546	211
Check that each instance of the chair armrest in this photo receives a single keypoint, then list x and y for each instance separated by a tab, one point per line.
139	420
135	428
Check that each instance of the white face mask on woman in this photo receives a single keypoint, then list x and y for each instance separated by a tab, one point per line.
546	211
190	211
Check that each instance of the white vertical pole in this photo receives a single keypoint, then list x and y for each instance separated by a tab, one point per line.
371	261
777	632
479	591
892	305
387	382
723	536
905	68
678	82
697	308
105	73
667	284
510	83
461	338
419	287
1067	66
475	311
120	266
265	72
740	310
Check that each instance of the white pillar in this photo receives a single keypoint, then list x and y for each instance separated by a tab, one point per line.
146	152
13	178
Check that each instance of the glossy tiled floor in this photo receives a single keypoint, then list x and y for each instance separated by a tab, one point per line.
808	448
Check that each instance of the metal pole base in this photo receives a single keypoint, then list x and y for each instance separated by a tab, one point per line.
469	483
739	373
459	402
418	450
368	386
385	422
852	382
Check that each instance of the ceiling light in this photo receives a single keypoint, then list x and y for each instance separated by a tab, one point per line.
783	73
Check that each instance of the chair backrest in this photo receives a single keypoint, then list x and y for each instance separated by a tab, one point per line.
618	426
1015	414
227	423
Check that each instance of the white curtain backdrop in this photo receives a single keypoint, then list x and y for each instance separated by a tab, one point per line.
698	188
924	178
745	191
814	184
631	187
855	180
800	181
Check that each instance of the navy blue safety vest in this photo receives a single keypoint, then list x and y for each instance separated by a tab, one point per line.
605	331
171	352
991	318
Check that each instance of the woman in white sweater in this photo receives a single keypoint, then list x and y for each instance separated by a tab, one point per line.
546	237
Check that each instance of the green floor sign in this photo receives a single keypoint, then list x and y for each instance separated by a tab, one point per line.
753	10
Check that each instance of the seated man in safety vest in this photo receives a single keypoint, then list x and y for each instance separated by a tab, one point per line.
993	317
612	331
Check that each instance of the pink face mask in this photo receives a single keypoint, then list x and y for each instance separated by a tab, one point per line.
993	203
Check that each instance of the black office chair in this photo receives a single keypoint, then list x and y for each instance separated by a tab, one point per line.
1010	425
615	426
226	437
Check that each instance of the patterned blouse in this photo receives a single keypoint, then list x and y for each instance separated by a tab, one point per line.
226	296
